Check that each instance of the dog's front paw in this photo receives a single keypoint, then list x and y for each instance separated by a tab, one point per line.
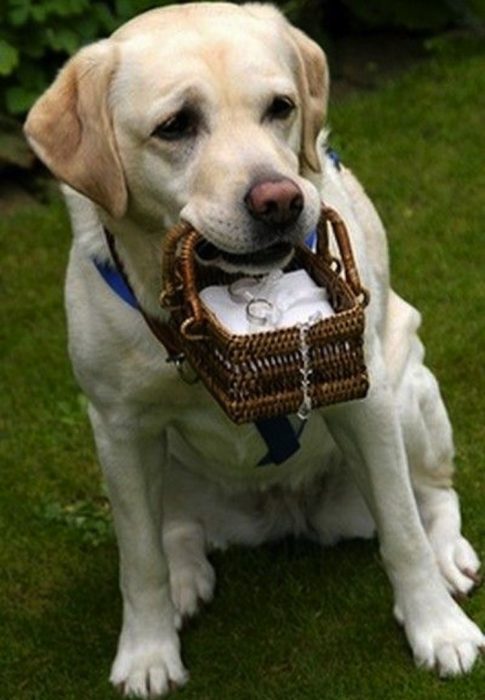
149	668
442	637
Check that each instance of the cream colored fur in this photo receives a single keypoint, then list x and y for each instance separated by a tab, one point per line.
182	478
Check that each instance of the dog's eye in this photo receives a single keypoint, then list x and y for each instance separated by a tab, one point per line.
280	108
178	126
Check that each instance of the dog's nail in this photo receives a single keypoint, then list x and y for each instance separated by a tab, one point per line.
474	576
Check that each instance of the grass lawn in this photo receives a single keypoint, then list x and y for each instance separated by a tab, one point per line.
289	621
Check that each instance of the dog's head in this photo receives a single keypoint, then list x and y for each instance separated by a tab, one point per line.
206	112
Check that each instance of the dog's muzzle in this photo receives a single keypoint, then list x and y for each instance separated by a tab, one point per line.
275	205
259	260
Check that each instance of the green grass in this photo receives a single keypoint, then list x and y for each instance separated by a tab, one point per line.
288	621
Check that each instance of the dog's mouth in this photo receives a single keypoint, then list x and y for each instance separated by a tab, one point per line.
262	260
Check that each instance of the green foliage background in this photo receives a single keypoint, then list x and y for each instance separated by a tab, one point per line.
36	36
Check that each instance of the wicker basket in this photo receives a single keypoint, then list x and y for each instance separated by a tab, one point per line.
260	375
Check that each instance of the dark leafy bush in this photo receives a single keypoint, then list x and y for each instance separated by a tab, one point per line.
415	15
36	36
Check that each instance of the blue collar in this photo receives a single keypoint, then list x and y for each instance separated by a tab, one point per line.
116	281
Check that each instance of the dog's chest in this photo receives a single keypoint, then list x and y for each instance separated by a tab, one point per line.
204	439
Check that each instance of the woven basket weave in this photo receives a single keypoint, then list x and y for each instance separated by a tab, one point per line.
260	375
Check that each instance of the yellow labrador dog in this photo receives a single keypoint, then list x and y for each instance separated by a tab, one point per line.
213	113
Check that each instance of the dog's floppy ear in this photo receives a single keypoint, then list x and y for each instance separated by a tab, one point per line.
314	84
70	129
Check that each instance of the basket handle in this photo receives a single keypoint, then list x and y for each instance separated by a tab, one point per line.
179	284
343	241
188	272
170	247
179	278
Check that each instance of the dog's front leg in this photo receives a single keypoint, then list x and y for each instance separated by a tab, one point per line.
369	434
148	660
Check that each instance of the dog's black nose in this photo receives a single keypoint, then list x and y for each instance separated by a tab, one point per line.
275	202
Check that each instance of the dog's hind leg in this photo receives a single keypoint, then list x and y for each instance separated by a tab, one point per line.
429	447
339	511
192	577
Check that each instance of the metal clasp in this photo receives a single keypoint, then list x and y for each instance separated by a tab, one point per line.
185	371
